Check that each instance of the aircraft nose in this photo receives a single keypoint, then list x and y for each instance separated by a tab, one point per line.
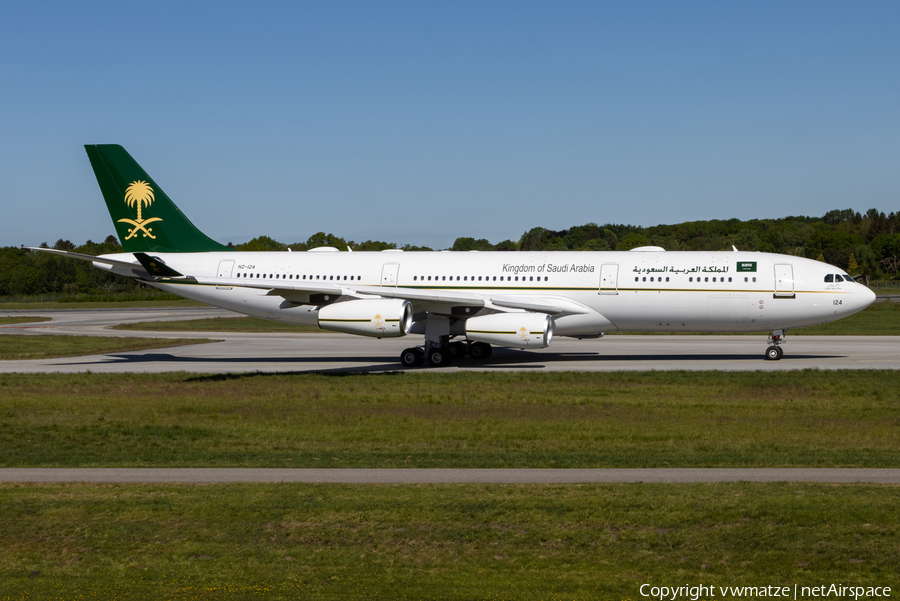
868	296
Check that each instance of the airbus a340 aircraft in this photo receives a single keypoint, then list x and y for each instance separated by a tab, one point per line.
464	302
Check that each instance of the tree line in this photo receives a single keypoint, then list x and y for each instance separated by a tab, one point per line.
864	244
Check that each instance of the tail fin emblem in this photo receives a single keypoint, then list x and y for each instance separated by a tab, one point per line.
141	194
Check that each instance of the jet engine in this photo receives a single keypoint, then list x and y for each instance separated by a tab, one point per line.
387	318
518	330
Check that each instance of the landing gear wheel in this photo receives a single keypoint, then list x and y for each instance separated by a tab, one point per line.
480	351
780	352
773	353
411	357
439	357
458	350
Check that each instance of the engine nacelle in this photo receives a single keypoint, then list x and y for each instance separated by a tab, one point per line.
388	318
518	330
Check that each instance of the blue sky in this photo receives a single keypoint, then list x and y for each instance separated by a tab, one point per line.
423	121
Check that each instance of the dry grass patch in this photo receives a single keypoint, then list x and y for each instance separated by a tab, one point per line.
220	324
12	320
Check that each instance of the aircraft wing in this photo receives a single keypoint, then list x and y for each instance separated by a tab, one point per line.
288	291
556	306
81	257
436	300
297	292
441	297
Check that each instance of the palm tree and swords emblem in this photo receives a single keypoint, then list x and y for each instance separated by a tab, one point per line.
141	194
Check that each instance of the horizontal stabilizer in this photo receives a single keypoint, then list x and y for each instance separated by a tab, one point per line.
81	257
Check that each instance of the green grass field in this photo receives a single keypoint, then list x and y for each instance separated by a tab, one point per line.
303	541
5	321
421	419
495	542
45	346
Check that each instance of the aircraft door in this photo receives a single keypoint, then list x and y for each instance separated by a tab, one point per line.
389	274
609	278
784	280
225	268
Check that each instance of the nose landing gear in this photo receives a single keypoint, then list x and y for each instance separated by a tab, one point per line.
774	352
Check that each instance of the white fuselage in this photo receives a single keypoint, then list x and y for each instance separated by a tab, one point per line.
649	291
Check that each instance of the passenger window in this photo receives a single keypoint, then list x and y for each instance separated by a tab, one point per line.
729	280
445	278
754	279
479	278
745	278
465	278
546	278
706	279
690	279
414	278
531	279
667	278
517	278
636	279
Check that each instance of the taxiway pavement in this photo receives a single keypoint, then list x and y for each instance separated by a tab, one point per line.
289	352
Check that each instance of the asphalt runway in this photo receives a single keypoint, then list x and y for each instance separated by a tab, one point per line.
251	352
448	476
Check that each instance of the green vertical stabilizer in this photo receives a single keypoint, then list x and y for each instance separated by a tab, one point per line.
146	220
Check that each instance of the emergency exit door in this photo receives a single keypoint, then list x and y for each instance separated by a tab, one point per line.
784	280
609	278
389	274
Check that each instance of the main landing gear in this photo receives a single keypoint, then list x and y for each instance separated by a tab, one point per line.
774	352
441	355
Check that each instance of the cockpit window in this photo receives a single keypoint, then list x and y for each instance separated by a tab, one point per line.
829	278
848	278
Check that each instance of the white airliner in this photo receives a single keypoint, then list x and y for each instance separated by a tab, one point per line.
464	302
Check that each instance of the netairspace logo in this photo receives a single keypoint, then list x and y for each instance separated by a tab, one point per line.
696	592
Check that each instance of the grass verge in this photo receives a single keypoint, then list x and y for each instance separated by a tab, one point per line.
46	346
655	419
302	541
5	321
220	324
148	304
